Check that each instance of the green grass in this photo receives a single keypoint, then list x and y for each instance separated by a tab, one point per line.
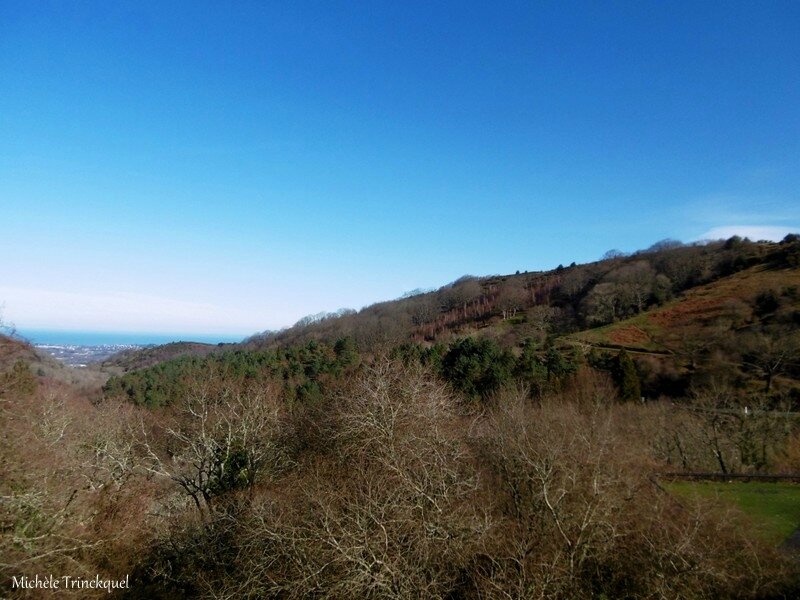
773	507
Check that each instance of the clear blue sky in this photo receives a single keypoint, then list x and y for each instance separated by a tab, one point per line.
229	167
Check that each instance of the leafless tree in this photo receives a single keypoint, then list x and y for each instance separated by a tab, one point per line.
388	517
771	355
511	298
222	439
581	516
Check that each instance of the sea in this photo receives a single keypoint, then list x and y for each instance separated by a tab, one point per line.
81	348
97	338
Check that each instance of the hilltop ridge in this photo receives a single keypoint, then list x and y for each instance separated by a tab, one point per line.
547	303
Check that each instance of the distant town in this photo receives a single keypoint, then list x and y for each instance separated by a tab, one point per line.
80	356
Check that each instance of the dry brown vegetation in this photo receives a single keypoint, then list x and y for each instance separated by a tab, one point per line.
406	492
409	496
67	503
390	479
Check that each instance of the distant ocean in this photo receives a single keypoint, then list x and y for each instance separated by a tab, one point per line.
104	338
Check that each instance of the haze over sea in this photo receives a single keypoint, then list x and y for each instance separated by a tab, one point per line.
107	338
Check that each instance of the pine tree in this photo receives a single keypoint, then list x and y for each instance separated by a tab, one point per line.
630	390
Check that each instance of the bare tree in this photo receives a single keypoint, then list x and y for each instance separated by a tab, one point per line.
601	304
771	355
388	517
581	518
511	298
221	440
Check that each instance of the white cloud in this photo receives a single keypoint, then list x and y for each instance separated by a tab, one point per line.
774	233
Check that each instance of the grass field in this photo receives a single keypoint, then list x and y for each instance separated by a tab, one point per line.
773	507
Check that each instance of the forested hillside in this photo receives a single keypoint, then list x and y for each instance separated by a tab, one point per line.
501	437
569	299
685	314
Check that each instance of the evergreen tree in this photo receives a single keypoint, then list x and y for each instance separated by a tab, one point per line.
477	367
627	379
530	368
555	363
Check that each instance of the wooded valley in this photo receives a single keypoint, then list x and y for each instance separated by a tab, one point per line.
501	437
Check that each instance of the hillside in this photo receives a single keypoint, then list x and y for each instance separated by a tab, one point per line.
484	440
622	301
565	300
688	315
14	350
130	360
757	295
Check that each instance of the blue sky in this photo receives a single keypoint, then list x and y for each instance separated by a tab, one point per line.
230	167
